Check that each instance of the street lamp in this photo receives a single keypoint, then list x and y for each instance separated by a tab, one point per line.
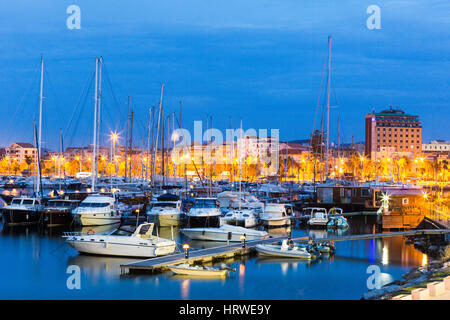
243	237
186	250
289	232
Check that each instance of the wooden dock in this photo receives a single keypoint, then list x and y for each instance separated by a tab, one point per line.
236	250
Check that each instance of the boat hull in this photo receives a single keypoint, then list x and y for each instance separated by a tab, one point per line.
202	221
166	220
97	220
20	217
58	218
276	222
218	236
270	251
121	250
199	273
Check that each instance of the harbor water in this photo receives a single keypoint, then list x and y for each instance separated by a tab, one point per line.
35	265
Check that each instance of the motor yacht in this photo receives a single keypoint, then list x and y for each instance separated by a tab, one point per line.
317	217
284	250
244	217
22	211
58	212
142	243
166	211
97	210
204	213
224	233
274	215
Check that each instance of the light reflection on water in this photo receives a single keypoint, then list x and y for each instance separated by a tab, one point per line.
35	262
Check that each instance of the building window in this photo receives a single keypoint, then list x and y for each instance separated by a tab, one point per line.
405	201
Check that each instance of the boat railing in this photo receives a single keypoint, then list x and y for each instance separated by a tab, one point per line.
77	234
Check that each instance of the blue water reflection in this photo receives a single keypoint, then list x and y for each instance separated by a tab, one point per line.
34	262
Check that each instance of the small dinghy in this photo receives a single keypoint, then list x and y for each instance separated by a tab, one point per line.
199	271
284	250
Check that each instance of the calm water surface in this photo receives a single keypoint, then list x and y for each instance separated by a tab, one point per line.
33	265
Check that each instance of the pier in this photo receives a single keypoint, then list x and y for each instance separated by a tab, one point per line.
201	256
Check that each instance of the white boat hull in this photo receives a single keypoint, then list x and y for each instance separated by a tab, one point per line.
199	273
275	251
218	235
166	220
276	222
246	223
97	220
117	249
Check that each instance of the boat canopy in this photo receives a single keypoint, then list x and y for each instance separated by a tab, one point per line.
168	197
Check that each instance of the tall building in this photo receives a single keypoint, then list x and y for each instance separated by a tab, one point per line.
391	133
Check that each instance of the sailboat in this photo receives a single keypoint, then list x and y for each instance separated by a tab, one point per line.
97	209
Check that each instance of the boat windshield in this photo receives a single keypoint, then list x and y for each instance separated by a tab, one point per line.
16	201
205	203
164	205
93	205
28	201
59	204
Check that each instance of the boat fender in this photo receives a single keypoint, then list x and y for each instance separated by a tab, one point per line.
91	231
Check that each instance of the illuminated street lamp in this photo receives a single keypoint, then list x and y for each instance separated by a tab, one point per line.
186	250
243	237
289	232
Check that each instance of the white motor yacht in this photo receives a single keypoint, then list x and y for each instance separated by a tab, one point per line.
244	217
204	213
283	250
97	210
318	217
166	213
224	233
274	214
140	244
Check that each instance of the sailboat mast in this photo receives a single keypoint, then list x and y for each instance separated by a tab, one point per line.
99	96
126	138
157	132
94	151
41	92
328	104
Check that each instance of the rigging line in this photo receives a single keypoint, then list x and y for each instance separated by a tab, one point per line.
318	97
26	94
109	82
83	105
87	84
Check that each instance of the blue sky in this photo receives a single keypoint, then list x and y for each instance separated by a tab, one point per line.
255	60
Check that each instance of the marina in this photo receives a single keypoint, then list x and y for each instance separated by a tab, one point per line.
207	151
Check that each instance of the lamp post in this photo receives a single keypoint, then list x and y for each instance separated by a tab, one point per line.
289	232
186	250
243	237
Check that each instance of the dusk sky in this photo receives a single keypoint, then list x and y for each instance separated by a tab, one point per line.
255	60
